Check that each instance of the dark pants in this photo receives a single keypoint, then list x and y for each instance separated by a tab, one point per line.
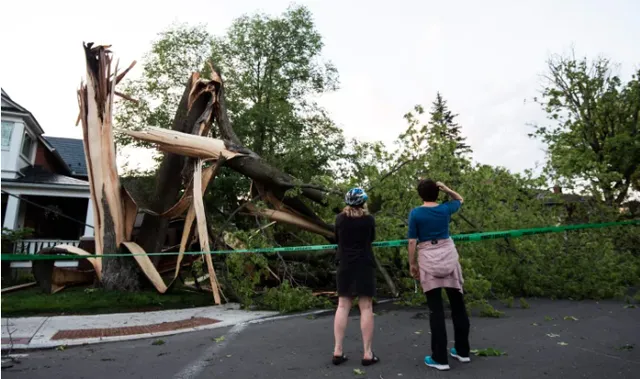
438	329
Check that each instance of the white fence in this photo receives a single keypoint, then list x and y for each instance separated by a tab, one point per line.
32	246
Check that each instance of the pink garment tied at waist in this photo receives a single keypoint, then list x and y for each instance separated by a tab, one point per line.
439	265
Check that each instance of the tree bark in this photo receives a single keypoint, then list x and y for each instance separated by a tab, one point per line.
96	108
153	228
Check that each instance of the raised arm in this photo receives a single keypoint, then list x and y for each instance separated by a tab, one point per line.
454	195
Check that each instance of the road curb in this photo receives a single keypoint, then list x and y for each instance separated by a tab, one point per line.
223	324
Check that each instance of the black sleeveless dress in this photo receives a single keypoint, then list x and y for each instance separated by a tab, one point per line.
356	265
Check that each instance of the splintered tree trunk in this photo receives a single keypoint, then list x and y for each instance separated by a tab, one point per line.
168	185
96	108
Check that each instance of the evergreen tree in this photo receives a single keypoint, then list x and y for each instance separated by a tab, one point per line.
444	126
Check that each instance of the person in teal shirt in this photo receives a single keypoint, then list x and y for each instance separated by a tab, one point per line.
434	261
432	223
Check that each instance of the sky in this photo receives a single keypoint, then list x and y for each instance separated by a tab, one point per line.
485	57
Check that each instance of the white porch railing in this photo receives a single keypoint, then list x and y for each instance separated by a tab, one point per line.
32	246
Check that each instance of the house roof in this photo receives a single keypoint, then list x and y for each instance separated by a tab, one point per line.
72	152
39	175
8	105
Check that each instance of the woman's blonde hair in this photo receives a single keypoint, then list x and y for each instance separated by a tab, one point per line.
355	212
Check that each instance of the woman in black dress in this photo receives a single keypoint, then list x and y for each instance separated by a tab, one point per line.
355	231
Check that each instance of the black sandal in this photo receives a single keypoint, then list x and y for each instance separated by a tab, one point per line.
337	360
372	361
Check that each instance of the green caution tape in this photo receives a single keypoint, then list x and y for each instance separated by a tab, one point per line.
473	237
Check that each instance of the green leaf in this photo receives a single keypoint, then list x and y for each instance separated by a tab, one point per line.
219	339
627	347
358	371
488	352
570	318
158	343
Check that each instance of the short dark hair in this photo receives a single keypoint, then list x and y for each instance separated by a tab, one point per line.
428	190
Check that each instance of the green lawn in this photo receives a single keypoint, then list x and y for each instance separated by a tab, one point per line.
83	300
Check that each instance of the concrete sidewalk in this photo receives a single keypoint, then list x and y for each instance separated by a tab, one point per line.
48	332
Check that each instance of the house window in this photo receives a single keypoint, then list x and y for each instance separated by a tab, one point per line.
27	144
7	130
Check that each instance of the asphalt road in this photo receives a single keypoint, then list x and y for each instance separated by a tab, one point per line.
603	342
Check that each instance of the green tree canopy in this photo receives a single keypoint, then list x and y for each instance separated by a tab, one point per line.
272	70
180	50
595	140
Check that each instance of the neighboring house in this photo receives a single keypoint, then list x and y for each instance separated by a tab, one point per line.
47	171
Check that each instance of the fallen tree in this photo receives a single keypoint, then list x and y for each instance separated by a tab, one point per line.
187	149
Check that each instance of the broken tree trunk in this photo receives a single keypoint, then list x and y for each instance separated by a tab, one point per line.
193	116
167	186
96	110
211	148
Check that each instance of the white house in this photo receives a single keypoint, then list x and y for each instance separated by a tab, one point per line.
44	183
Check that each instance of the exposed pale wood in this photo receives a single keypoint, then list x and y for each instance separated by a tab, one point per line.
207	174
62	277
181	206
201	222
146	265
55	288
175	169
130	213
96	110
289	218
126	97
95	262
184	144
18	287
122	75
186	232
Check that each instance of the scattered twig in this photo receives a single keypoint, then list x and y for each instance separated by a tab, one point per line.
127	97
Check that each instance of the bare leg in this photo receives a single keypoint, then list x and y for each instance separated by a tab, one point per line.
366	324
340	323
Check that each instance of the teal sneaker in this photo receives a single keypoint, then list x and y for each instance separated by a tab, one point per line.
454	353
431	363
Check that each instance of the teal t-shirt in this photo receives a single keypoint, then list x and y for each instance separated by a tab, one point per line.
432	223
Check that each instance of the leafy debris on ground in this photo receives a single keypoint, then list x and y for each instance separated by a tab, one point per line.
570	318
358	371
488	352
553	335
218	339
627	347
61	348
158	343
